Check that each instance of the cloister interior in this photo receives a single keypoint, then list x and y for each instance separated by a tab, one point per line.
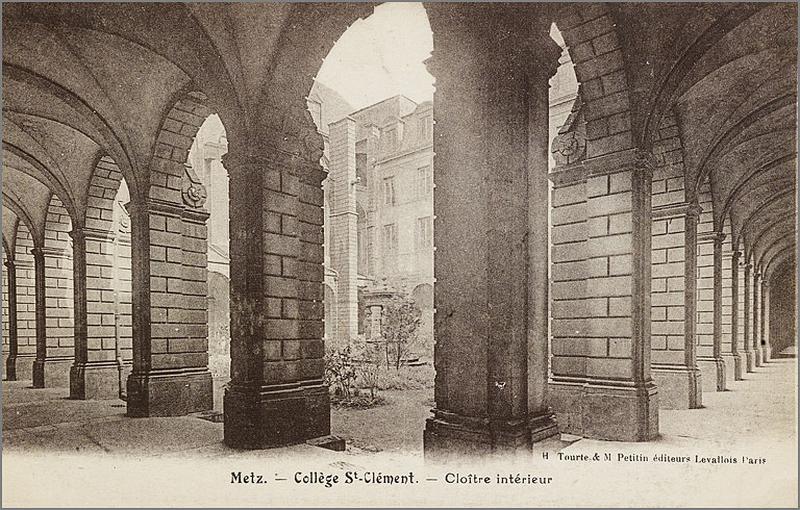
650	265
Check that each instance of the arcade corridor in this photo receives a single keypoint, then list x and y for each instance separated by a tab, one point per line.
641	289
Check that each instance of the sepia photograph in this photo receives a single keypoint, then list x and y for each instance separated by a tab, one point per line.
401	254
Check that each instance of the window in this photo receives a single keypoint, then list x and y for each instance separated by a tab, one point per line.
370	250
361	168
362	249
424	181
424	233
425	129
390	239
389	140
388	191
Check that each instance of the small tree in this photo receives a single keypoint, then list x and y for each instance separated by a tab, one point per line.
369	366
399	324
340	372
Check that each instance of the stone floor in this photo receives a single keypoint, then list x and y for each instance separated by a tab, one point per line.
754	419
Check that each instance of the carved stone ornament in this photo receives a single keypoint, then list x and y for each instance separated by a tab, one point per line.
194	193
296	133
569	146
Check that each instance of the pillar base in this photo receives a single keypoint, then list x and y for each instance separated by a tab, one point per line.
734	367
565	400
750	361
713	370
679	387
51	372
758	357
767	352
620	413
23	366
450	436
258	417
10	368
607	410
175	392
97	380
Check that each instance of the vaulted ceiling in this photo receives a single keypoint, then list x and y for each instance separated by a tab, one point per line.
86	80
728	73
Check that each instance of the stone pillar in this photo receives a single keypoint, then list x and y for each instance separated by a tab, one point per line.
756	307
709	358
730	351
170	375
569	307
766	351
620	399
750	355
276	395
490	170
717	312
344	227
739	363
11	303
54	318
96	371
673	298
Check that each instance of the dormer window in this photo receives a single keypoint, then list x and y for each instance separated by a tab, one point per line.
389	139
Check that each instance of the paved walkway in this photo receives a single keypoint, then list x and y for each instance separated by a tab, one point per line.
755	419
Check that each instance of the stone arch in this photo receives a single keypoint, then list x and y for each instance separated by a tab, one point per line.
59	350
168	174
103	188
423	295
107	239
591	35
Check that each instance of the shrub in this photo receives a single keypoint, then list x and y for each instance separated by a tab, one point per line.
340	372
400	320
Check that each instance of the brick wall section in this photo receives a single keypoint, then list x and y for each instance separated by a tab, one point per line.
310	272
106	274
609	275
737	310
589	31
108	265
59	296
169	249
705	277
344	227
26	299
570	309
669	237
755	307
727	293
5	309
668	175
668	290
178	250
103	188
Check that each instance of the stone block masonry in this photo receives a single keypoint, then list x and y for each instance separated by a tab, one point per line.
709	354
170	374
56	351
610	376
673	298
26	306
